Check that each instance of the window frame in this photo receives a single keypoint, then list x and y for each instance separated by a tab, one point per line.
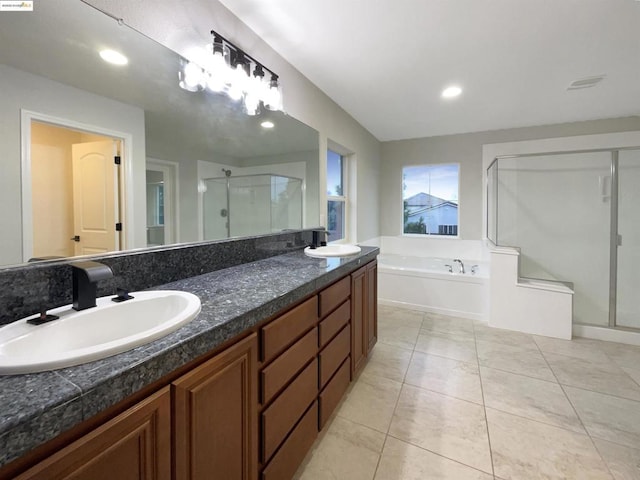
344	198
402	199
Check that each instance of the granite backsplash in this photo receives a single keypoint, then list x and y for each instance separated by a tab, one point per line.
26	289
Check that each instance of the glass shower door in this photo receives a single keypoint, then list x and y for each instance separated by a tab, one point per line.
628	275
215	209
556	209
286	203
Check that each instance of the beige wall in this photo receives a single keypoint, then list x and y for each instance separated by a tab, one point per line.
466	149
52	189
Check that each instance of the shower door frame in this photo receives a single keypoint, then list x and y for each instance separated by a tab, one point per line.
228	179
614	236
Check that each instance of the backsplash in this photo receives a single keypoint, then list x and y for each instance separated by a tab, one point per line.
25	289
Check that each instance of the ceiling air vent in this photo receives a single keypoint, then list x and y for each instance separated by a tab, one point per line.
587	82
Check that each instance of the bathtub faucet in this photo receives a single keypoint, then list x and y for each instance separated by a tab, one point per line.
457	260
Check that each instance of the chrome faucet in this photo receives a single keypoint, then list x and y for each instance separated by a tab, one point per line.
85	278
457	260
449	267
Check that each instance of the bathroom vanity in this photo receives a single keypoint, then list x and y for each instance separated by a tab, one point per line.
239	393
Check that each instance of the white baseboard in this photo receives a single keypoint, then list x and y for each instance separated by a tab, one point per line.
607	334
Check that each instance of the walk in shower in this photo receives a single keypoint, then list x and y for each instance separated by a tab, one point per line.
575	217
246	205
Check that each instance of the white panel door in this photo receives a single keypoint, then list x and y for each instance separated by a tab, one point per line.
94	197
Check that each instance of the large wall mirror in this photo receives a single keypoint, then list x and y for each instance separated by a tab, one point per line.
193	166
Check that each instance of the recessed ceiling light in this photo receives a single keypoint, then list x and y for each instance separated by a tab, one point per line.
451	92
267	124
114	57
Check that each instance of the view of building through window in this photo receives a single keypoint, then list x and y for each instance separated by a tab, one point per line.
336	196
430	199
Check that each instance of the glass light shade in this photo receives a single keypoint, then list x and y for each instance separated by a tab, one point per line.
220	58
238	81
191	77
274	97
218	67
251	104
254	93
216	83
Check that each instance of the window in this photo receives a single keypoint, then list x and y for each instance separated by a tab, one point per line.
336	196
430	199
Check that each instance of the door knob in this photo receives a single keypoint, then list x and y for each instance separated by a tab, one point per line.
76	238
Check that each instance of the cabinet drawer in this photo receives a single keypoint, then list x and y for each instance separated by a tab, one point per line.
284	330
333	392
334	295
288	459
284	368
334	322
286	410
333	355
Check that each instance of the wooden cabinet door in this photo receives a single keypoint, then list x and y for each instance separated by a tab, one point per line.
372	305
135	445
215	409
358	321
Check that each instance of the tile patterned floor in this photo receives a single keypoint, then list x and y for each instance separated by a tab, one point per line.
450	398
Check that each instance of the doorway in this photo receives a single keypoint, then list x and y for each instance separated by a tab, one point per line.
162	202
75	192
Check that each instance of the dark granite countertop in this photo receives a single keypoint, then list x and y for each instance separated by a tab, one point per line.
38	407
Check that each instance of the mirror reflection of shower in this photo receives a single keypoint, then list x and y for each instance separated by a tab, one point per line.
224	212
251	204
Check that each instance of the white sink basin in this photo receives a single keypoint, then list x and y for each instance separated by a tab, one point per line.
332	251
94	333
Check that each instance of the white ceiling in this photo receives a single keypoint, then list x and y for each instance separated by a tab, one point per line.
386	61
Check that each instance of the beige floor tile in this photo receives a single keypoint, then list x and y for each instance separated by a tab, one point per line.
504	337
523	449
388	361
514	359
347	450
528	397
577	348
444	375
602	376
434	322
623	462
607	417
634	373
623	355
447	345
399	316
371	401
403	461
398	336
444	425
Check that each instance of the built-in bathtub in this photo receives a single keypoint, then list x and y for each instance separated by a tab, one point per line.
425	283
